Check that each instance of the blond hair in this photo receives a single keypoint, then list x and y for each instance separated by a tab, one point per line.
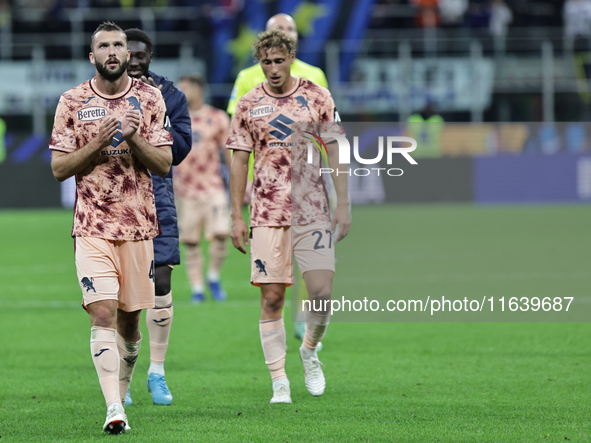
275	38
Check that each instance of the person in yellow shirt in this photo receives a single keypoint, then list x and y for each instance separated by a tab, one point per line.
249	78
2	146
426	127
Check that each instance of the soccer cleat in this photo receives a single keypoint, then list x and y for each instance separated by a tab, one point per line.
198	297
160	393
313	375
281	391
128	400
217	292
116	422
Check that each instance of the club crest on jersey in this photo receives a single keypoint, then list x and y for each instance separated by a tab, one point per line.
261	111
91	113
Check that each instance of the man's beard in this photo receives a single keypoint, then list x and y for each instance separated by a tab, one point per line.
111	76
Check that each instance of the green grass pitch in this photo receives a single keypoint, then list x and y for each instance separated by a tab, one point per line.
399	381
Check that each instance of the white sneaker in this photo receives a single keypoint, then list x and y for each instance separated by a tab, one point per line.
313	375
116	421
281	391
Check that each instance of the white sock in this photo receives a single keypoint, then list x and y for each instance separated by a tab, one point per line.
213	276
156	369
198	288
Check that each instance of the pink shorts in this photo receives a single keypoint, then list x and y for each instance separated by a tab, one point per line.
116	270
271	249
196	214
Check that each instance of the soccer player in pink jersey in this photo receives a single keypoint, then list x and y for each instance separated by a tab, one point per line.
200	189
280	223
112	132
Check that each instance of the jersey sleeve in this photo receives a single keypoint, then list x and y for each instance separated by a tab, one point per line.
239	137
331	122
160	128
223	129
328	110
63	136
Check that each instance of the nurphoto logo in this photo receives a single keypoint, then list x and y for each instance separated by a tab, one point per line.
393	146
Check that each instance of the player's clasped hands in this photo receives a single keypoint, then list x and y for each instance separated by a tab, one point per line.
107	131
130	123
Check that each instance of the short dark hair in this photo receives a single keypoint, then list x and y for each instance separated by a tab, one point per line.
104	26
137	35
275	38
196	79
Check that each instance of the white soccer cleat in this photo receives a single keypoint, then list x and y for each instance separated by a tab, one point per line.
313	375
116	422
281	391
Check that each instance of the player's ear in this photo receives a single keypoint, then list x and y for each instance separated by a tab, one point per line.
291	57
91	57
128	55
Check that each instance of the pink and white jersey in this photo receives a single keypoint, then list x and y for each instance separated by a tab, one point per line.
114	194
261	124
199	175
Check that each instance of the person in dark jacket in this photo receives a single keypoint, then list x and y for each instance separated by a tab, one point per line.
166	245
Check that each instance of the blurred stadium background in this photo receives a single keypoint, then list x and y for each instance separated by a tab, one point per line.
509	85
509	79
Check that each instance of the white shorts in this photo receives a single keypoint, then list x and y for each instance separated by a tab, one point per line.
271	249
116	270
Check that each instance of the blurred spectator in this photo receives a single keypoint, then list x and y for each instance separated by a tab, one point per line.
452	11
5	14
478	14
427	14
500	18
577	18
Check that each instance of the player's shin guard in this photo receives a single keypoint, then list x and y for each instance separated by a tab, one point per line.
218	251
316	325
274	346
194	264
128	352
159	321
105	355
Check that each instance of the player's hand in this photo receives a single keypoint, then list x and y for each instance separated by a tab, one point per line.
131	123
107	131
239	234
150	81
342	218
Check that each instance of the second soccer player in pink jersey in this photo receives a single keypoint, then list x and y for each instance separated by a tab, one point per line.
280	221
111	132
201	192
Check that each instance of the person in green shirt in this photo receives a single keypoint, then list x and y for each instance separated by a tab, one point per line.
2	146
249	78
426	127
